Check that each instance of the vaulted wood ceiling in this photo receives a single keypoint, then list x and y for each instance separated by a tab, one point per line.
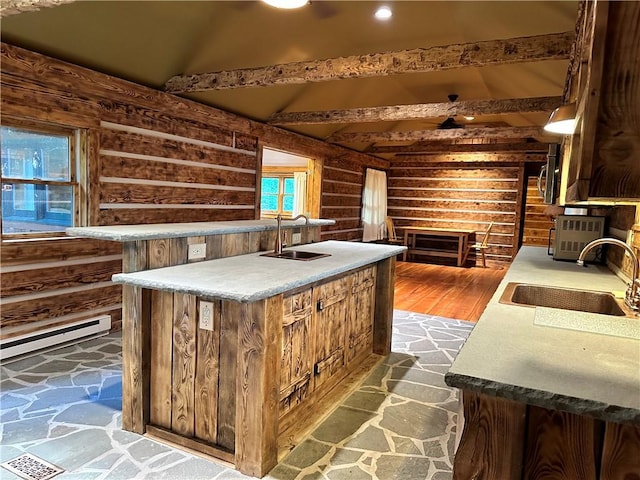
328	70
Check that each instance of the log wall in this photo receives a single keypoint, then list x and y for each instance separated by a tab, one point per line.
536	223
342	185
427	192
149	157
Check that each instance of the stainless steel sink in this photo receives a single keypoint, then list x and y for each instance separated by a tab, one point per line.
563	298
296	255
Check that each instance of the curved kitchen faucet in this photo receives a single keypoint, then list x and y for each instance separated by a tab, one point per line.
632	297
278	246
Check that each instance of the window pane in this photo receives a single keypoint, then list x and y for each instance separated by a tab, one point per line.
287	203
59	200
30	208
24	197
289	185
269	202
270	185
32	155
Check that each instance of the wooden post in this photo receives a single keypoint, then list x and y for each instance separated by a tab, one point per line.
136	336
258	385
383	313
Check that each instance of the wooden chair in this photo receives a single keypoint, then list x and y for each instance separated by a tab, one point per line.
480	246
392	238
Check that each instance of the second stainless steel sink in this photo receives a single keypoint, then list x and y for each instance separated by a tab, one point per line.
563	298
296	255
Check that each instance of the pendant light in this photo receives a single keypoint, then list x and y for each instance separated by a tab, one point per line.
562	120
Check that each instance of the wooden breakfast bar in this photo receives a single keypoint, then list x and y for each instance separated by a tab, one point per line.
461	238
232	357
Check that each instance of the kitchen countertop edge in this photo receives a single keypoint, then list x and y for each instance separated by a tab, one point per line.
544	399
128	233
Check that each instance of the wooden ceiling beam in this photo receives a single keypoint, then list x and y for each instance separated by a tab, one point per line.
441	147
419	111
454	133
14	7
555	46
470	157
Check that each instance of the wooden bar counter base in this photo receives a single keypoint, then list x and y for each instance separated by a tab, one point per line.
246	384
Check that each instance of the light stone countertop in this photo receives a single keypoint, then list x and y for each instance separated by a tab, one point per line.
252	277
126	233
511	356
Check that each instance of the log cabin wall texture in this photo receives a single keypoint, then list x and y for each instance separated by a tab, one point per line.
342	185
151	157
536	222
427	192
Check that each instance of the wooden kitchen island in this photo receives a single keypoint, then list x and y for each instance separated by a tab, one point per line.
231	356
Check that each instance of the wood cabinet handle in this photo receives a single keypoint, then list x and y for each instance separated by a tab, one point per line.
330	300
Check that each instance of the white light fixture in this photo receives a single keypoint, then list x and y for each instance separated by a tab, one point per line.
383	13
469	118
562	120
288	4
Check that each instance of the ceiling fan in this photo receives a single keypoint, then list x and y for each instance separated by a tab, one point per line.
450	122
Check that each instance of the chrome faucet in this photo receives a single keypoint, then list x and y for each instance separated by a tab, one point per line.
278	247
632	296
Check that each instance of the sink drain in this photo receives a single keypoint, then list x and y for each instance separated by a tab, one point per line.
30	467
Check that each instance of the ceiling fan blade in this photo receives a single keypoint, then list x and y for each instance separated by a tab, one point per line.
449	123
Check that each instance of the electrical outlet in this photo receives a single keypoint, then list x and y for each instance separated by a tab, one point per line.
206	316
296	238
197	251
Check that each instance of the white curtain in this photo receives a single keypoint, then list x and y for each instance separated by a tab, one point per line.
299	192
374	205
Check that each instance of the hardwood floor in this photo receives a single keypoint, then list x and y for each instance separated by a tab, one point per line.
453	292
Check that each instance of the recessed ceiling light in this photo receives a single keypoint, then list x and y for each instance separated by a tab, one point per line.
469	117
289	4
383	13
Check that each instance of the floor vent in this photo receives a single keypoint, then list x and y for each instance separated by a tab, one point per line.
30	467
55	336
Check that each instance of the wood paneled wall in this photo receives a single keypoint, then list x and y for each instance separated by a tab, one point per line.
342	186
150	157
427	192
623	218
536	223
46	283
153	176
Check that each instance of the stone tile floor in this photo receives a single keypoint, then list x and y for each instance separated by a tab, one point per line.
64	406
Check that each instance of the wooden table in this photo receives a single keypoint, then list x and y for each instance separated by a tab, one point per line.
461	236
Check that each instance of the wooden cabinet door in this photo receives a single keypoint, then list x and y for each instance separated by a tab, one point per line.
331	302
296	366
360	314
600	160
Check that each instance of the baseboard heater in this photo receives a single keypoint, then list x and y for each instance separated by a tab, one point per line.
55	336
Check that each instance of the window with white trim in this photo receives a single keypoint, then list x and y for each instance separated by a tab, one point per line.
39	179
276	195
